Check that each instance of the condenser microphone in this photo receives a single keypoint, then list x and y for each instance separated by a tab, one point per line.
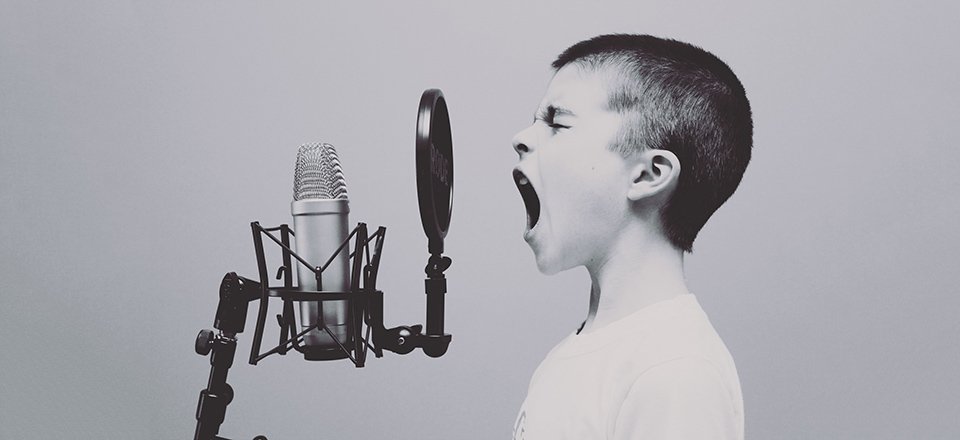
320	211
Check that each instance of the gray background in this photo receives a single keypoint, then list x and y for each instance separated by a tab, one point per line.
139	140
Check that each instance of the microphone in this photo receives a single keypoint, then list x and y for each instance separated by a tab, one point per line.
320	210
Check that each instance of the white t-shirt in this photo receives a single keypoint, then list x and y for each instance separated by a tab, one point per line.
659	373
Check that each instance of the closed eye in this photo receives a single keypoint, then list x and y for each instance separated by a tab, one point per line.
548	115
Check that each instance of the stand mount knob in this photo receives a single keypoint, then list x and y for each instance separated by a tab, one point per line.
204	342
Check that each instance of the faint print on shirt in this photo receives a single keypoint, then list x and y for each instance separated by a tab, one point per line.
518	429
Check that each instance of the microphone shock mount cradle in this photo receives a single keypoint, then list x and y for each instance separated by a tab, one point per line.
365	305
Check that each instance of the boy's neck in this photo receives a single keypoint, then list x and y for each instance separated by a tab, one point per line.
639	271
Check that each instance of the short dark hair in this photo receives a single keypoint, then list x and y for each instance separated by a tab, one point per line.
681	98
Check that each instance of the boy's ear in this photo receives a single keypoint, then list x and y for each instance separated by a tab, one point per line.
656	172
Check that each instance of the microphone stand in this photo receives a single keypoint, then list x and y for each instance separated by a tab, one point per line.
231	314
364	301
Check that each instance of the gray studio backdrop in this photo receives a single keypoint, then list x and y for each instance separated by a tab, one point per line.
139	139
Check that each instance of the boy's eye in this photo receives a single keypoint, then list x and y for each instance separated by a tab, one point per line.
548	117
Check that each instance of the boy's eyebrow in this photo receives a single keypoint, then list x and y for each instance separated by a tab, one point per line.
552	111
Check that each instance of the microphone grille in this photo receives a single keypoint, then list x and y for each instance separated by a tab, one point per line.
318	174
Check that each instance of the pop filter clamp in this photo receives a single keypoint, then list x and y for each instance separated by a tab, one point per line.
434	157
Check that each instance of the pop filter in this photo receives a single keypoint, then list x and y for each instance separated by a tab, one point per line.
434	168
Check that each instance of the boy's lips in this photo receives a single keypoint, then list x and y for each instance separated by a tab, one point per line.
529	195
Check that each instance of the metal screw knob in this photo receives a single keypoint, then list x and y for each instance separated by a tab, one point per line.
204	342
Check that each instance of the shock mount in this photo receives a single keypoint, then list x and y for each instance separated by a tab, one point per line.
365	305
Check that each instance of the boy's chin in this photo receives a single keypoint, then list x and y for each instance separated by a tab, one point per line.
550	266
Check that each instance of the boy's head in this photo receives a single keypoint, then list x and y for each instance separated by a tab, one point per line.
632	127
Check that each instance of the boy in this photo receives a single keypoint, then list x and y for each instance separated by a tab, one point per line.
637	141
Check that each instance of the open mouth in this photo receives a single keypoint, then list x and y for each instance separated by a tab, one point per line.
530	200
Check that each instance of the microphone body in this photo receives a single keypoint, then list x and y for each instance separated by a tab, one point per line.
320	223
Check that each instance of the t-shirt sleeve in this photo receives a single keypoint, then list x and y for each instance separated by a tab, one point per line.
680	399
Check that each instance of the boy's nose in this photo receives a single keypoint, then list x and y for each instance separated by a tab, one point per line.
522	144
